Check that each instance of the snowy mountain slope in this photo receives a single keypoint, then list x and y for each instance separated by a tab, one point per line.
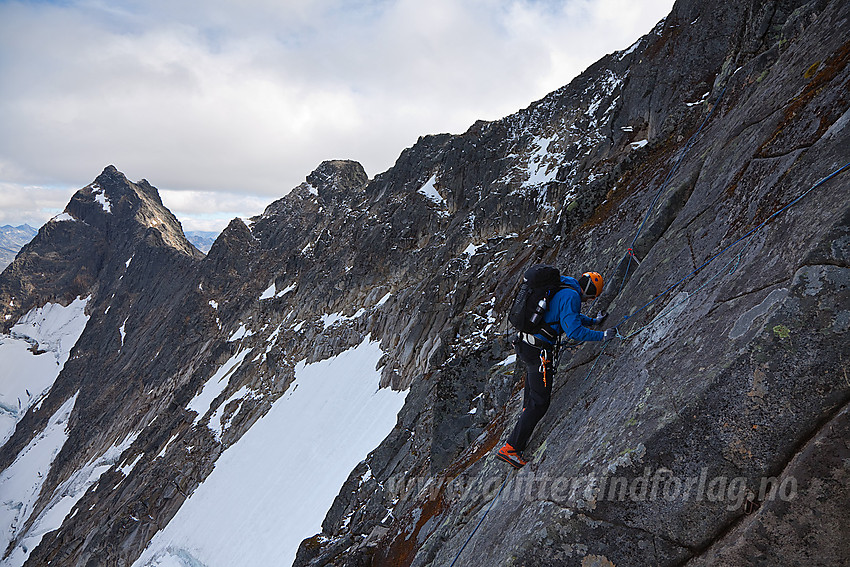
22	482
33	355
176	373
272	489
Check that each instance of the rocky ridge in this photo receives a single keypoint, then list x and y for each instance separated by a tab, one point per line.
736	371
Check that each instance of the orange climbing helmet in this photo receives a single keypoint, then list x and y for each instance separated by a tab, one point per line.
591	284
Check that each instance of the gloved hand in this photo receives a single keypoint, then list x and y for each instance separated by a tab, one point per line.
600	317
610	334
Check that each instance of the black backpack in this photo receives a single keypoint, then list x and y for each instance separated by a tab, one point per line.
539	284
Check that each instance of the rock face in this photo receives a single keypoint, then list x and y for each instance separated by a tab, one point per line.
688	169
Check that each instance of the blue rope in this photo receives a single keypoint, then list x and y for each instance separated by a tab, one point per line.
663	186
747	235
736	260
676	166
504	482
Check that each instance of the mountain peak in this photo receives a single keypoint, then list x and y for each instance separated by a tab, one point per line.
114	203
88	246
338	179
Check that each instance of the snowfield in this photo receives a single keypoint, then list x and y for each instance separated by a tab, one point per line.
273	488
20	486
26	377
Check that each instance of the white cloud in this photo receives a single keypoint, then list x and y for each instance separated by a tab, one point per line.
29	204
211	211
248	97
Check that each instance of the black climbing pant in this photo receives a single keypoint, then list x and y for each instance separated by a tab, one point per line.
536	395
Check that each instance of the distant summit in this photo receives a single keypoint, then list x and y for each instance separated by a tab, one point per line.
90	244
12	239
201	239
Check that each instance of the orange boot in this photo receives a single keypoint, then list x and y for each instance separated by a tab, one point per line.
511	456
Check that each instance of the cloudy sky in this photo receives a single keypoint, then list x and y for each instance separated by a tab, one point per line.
226	105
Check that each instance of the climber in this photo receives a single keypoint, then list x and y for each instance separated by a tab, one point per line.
563	315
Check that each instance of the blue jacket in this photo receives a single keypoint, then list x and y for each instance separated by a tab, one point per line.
564	314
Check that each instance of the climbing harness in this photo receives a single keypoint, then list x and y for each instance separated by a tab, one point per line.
544	363
630	255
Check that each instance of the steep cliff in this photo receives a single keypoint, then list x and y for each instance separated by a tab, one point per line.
690	169
714	427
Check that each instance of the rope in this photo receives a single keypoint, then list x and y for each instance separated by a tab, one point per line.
736	261
747	235
478	525
630	252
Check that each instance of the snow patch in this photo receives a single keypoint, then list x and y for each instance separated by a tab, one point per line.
240	333
271	292
64	217
215	386
164	449
472	249
268	293
128	468
332	319
259	503
429	189
287	289
622	54
100	197
702	99
540	170
272	339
